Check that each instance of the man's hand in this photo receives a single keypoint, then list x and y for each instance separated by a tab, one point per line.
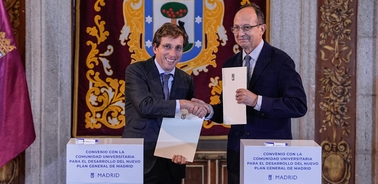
244	96
199	109
179	159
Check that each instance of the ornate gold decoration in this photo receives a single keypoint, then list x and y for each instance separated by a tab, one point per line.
243	2
134	28
335	89
336	162
213	31
216	90
105	99
5	45
11	170
13	10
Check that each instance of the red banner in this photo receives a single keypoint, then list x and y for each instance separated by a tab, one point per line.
112	34
16	121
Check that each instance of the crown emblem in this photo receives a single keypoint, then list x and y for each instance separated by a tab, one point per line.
5	45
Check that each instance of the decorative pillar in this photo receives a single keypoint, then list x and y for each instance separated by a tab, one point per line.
335	117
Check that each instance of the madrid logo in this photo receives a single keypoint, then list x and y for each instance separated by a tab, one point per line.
202	20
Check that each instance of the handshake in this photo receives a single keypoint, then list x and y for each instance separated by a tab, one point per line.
196	107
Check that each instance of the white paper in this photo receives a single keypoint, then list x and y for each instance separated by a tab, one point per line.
233	79
179	136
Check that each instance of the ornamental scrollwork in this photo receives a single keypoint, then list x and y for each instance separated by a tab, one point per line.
13	10
105	99
216	90
336	85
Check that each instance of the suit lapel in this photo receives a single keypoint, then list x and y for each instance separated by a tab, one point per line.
261	63
176	85
154	77
239	60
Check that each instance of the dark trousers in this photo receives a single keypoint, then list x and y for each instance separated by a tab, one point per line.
160	174
233	178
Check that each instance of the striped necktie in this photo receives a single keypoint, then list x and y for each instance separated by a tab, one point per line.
247	64
165	77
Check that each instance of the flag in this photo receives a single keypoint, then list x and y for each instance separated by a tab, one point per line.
16	121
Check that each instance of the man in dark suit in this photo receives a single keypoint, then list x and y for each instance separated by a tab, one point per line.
146	105
275	92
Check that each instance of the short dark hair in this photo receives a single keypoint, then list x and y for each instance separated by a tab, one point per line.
169	29
259	12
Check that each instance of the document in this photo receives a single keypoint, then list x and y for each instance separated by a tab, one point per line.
179	136
233	79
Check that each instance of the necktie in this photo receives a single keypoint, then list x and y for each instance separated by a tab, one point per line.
247	64
165	77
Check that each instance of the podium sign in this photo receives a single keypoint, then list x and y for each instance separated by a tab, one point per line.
280	161
108	161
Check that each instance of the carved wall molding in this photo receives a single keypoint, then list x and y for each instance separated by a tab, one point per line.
336	89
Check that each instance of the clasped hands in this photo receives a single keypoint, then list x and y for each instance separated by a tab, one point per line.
199	108
196	107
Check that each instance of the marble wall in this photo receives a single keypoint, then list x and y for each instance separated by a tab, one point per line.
49	56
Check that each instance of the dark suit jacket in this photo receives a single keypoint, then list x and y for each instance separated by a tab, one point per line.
283	98
145	106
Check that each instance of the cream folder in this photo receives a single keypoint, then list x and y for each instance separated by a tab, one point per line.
179	136
233	79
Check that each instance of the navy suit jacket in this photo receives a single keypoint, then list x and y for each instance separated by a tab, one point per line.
145	106
283	97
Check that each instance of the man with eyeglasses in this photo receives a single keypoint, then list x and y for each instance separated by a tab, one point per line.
275	92
150	97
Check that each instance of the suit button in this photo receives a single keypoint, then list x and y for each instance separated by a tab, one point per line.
262	114
247	133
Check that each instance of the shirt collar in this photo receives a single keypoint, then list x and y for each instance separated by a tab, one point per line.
161	69
256	52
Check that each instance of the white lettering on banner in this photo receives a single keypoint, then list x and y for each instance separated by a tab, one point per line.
74	161
273	154
298	162
111	160
108	175
98	166
124	166
281	161
88	156
302	168
118	156
104	159
276	168
286	177
96	152
116	152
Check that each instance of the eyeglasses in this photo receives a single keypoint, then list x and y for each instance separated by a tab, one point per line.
245	28
169	47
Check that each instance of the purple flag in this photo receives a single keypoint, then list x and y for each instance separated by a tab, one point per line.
16	121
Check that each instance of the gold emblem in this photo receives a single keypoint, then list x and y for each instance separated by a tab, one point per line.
5	45
213	30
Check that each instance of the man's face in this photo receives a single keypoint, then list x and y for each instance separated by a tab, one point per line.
169	52
248	39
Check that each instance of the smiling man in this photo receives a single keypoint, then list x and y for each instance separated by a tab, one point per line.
274	91
155	89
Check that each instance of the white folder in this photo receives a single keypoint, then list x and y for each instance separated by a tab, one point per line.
179	136
233	79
